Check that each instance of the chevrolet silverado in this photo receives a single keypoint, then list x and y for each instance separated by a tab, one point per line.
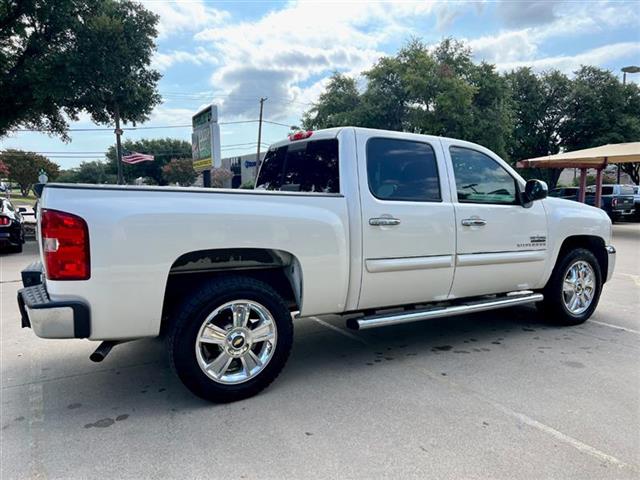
382	227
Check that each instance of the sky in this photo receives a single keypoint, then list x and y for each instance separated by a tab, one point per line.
231	53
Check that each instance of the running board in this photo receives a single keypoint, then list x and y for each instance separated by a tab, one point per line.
397	318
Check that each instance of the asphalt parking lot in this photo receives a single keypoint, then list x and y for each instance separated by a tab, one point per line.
496	395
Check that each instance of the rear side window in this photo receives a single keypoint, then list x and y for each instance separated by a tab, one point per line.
402	170
302	167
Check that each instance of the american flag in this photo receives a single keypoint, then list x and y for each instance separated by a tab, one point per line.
135	157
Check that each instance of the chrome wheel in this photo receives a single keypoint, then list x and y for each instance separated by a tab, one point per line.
236	341
579	287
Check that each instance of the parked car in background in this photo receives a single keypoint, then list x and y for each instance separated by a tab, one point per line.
617	200
636	200
568	193
11	227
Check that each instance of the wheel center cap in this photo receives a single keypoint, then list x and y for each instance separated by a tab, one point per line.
236	342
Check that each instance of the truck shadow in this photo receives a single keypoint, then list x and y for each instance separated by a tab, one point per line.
136	382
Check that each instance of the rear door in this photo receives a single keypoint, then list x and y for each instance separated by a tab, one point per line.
408	229
501	245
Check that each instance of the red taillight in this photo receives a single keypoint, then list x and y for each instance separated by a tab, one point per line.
301	135
5	220
65	245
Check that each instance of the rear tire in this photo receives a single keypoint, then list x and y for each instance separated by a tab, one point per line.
230	339
573	291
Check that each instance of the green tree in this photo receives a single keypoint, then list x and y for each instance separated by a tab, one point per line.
88	172
601	110
179	171
437	91
540	103
163	150
336	106
58	58
24	168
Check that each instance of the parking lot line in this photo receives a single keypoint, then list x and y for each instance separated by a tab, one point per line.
339	330
617	327
558	435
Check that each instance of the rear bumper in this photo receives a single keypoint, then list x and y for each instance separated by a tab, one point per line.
8	238
49	318
611	264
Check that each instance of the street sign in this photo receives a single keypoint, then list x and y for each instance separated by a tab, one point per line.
205	139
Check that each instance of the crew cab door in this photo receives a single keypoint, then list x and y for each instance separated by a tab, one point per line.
408	230
501	245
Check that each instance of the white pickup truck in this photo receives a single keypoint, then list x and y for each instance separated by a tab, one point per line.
386	227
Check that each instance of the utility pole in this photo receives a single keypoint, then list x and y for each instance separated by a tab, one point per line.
118	132
262	100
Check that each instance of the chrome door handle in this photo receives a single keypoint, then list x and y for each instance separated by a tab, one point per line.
473	222
384	221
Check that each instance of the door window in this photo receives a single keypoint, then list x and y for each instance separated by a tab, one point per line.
402	170
480	179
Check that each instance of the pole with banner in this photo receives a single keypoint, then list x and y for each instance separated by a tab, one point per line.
205	142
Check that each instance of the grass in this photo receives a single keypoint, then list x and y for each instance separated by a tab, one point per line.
17	199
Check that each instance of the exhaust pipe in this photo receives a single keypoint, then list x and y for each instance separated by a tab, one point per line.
102	351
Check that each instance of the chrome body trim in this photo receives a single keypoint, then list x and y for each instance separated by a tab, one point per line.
611	265
376	265
414	316
472	259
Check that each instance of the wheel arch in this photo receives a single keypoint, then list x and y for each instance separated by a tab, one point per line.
280	269
593	243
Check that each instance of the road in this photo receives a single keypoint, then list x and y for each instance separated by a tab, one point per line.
498	395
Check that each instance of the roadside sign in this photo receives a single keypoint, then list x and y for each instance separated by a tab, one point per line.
205	139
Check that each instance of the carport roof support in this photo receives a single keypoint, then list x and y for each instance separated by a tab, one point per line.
596	157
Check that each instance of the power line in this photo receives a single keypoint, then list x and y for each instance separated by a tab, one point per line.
98	129
93	154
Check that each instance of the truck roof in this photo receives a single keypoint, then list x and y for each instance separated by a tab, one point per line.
325	133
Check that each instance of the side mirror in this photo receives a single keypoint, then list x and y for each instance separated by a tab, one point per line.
534	190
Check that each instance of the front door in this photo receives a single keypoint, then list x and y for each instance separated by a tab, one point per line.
407	220
501	245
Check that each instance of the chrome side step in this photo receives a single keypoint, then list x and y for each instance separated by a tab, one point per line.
396	318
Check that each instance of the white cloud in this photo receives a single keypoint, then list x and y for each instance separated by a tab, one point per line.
526	45
525	13
570	63
162	61
178	17
278	54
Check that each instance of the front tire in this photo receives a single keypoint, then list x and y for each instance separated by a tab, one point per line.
230	339
573	291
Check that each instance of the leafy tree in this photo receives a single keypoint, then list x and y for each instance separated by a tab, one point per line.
88	172
540	104
58	58
24	168
336	105
435	91
179	171
220	176
601	110
4	170
163	150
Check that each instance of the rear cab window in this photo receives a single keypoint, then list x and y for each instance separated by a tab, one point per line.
310	166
